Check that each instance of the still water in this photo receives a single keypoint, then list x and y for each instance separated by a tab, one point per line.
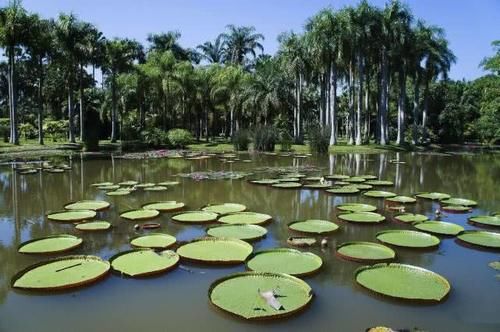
178	301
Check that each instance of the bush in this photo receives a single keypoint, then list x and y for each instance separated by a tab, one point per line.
56	129
319	138
241	140
154	137
264	138
179	138
130	132
5	129
27	130
286	141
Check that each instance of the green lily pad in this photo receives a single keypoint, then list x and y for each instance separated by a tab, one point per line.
344	183
118	193
154	241
360	186
243	232
225	208
285	260
486	220
216	250
317	185
287	185
195	217
481	238
156	188
109	187
355	179
410	217
379	194
356	207
394	279
250	295
27	171
301	241
50	244
312	178
456	208
458	201
54	170
365	251
88	205
345	190
165	206
128	183
313	226
494	265
368	177
253	218
409	239
439	227
61	273
168	183
145	185
337	177
402	199
140	214
381	183
102	184
285	180
433	195
362	217
144	262
93	226
71	215
265	181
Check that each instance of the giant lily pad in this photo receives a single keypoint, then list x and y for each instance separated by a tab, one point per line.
458	201
216	250
456	208
97	225
313	226
360	186
102	184
337	177
402	199
285	260
287	185
243	232
225	208
253	218
439	227
379	194
145	185
362	217
481	238
118	192
486	220
410	217
381	183
154	241
265	181
195	217
288	179
301	241
365	251
88	205
403	281
356	207
316	185
165	206
140	214
345	190
128	183
72	215
62	273
433	195
109	187
168	183
406	238
368	177
254	295
144	262
50	244
355	179
156	188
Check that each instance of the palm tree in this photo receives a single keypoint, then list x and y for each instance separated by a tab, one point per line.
213	52
168	41
240	42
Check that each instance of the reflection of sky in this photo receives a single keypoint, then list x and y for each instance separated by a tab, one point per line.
6	231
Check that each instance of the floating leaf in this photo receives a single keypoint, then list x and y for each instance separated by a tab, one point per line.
355	179
337	177
362	217
402	199
88	205
356	207
313	226
433	195
317	185
379	194
495	265
154	241
458	201
145	185
72	215
140	214
301	241
243	232
118	193
253	218
168	183
156	188
144	262
225	208
109	187
343	190
410	217
486	220
285	260
456	208
128	183
481	238
365	251
439	227
287	185
50	244
165	206
195	217
381	183
93	226
265	181
216	250
406	238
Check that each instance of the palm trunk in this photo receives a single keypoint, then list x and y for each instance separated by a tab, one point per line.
114	122
367	110
351	121
361	71
424	112
415	109
82	131
299	107
384	91
333	105
70	107
14	138
401	108
40	103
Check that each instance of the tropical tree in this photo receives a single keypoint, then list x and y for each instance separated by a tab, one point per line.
213	52
241	41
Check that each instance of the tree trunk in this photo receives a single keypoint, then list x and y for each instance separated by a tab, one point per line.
424	112
14	137
299	108
82	130
361	72
400	140
114	122
70	107
333	105
367	110
384	91
351	121
40	103
415	109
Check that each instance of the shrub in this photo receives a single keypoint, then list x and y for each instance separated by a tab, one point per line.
56	129
130	132
5	129
286	141
154	137
27	130
319	138
241	140
179	138
264	138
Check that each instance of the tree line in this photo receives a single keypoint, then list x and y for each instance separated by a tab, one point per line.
361	74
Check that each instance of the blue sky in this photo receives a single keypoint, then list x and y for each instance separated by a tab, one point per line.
470	25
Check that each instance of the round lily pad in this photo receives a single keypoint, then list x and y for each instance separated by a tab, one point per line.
344	183
140	214
381	183
337	177
118	193
287	185
109	187
356	207
439	227
433	195
312	178
154	241
145	185
156	188
216	250
456	208
406	238
102	184
365	251
93	226
458	201
481	238
265	181
71	215
394	279
379	194
410	217
402	199
54	170
225	208
168	183
165	206
88	205
316	185
195	217
285	260
301	241
144	262
345	190
128	183
313	226
288	179
253	218
243	232
362	217
50	244
27	171
355	179
493	221
255	295
360	186
368	177
61	273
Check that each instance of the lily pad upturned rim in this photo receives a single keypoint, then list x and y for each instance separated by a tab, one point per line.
433	195
414	217
478	244
155	188
146	214
162	206
344	190
380	183
301	241
100	184
362	217
287	185
334	226
456	208
224	208
356	207
150	273
415	269
118	193
77	242
453	229
199	260
402	199
171	238
478	220
96	205
379	194
264	181
336	177
362	259
82	226
458	201
308	294
435	240
260	218
311	255
88	214
210	217
64	286
262	230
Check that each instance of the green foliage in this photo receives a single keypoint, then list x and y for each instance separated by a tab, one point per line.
27	130
319	138
241	140
179	138
56	129
4	129
286	141
264	138
154	137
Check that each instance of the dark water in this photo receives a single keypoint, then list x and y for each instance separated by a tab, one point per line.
178	301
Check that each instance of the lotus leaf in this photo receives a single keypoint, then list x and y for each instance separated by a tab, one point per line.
50	244
165	206
154	241
144	262
243	232
481	238
406	238
87	205
71	215
285	260
195	217
402	199
362	217
287	185
225	208
313	226
458	201
245	218
410	217
356	207
93	226
486	220
343	190
379	194
365	251
439	227
140	214
433	195
216	250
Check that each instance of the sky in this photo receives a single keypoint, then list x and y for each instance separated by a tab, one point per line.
470	25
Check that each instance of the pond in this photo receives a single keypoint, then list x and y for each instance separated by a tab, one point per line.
178	300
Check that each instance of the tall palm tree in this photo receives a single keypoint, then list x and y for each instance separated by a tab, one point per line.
213	52
241	41
169	41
